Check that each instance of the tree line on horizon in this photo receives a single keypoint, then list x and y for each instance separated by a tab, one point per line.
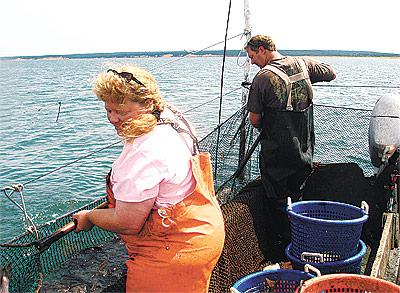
231	53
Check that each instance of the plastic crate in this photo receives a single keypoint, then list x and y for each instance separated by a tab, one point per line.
280	280
347	283
327	227
349	265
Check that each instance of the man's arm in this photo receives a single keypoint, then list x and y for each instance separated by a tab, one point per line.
319	71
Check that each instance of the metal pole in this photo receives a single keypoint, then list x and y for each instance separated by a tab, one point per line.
242	142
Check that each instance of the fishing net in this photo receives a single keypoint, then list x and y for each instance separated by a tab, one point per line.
228	146
341	136
29	263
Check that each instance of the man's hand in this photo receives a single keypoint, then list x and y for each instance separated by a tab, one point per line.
255	119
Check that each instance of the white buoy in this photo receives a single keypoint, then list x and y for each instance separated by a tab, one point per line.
384	129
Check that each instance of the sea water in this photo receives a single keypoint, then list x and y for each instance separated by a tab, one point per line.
53	128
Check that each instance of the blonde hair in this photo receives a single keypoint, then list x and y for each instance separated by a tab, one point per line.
111	87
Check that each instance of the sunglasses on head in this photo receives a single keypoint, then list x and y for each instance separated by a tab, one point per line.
127	76
254	44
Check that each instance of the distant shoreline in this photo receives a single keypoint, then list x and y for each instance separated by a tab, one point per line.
213	53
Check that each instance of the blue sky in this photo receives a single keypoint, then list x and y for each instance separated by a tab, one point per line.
87	26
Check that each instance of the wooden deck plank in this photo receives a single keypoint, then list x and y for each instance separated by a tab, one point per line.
385	245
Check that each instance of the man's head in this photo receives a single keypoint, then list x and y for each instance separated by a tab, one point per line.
260	50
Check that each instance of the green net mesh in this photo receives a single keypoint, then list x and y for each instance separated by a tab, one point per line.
28	263
341	136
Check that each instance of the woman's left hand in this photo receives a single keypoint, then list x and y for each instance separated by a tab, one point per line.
82	220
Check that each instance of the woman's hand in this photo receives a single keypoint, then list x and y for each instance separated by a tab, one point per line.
82	221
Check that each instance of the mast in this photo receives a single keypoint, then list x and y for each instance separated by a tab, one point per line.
247	33
246	70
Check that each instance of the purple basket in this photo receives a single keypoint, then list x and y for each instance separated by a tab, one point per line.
330	228
349	265
271	281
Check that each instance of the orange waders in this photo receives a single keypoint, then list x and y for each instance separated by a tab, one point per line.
178	246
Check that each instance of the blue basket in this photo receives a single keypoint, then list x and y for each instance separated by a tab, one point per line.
271	281
349	265
327	227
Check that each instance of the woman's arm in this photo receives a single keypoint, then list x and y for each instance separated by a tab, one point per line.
125	218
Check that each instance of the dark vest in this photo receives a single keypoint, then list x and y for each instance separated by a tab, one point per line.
287	143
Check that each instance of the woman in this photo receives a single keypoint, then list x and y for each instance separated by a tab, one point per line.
160	190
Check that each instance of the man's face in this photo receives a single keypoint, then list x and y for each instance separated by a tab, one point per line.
257	57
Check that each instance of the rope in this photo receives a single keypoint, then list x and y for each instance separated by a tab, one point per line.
358	86
194	52
72	162
222	86
19	188
211	100
339	107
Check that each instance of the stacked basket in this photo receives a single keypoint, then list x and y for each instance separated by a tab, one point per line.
326	234
274	281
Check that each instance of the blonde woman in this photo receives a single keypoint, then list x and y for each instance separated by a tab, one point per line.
160	189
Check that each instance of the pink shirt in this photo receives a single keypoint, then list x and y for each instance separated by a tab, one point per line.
155	165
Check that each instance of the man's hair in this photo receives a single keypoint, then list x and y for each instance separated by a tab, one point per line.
260	40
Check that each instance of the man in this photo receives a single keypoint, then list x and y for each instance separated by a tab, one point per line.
280	105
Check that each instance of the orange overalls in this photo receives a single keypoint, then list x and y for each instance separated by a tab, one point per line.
178	246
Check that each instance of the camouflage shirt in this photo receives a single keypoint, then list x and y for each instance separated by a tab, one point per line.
268	90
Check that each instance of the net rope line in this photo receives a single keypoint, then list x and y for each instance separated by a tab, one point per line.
19	187
222	87
195	52
358	86
30	228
